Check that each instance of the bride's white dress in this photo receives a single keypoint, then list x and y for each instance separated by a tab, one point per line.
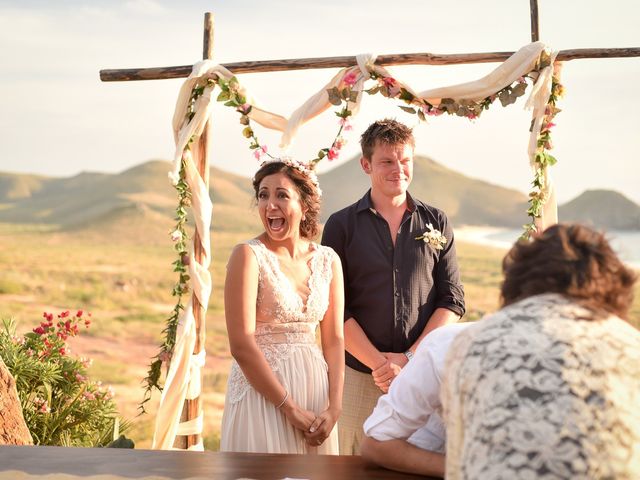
286	334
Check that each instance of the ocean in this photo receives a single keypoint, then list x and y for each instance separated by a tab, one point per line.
625	243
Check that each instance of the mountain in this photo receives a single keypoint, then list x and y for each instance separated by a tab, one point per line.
137	196
466	201
141	201
602	208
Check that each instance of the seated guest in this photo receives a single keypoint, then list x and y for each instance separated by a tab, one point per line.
549	386
405	432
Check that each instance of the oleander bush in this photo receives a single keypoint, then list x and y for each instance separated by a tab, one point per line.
61	405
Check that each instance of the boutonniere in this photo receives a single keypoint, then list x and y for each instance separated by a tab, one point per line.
433	238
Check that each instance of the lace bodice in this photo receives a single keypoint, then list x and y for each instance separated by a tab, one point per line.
538	391
284	321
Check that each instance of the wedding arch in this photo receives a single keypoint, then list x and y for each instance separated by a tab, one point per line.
179	419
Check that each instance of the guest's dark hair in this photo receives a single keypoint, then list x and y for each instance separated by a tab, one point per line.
572	260
387	131
309	195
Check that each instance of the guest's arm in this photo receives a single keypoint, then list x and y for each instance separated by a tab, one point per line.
331	331
401	456
240	297
409	407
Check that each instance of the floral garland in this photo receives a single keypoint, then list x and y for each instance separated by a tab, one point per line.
232	96
389	87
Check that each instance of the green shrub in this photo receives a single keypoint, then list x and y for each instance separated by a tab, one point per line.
61	405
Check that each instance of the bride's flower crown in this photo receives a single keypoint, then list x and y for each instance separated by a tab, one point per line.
304	168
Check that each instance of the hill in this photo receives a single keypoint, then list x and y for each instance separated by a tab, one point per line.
466	201
138	196
142	200
602	208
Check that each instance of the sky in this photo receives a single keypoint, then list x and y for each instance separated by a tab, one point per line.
58	119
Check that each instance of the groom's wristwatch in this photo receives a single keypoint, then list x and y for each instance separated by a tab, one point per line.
408	354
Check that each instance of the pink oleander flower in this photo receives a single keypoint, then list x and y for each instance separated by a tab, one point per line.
350	79
333	153
109	393
245	108
79	313
89	395
548	126
472	116
80	378
339	143
548	144
64	314
87	322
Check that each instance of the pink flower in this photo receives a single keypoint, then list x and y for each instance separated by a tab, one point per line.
79	313
389	82
346	124
87	322
548	126
80	378
333	153
472	116
39	330
89	396
350	78
62	351
176	236
548	144
339	143
260	152
164	357
245	108
64	314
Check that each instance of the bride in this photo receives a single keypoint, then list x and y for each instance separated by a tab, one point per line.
284	393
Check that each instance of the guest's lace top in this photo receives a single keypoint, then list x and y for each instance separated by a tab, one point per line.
284	321
537	391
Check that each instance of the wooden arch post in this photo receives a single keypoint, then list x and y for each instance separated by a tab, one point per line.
192	408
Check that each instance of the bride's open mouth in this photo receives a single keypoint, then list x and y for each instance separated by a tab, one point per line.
275	223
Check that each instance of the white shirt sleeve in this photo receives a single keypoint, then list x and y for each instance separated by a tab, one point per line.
410	411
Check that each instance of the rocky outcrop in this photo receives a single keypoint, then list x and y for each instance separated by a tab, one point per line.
13	429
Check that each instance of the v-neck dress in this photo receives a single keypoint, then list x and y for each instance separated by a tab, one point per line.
286	334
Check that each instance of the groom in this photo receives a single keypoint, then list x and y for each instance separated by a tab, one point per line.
397	287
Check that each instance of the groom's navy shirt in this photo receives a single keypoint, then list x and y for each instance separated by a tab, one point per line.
392	291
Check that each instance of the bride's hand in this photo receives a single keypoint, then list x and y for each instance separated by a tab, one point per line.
321	427
297	416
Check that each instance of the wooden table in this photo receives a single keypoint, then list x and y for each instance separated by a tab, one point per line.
174	464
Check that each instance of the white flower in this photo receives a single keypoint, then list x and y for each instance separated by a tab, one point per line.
433	238
176	235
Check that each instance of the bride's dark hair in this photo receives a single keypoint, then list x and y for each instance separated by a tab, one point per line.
309	195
